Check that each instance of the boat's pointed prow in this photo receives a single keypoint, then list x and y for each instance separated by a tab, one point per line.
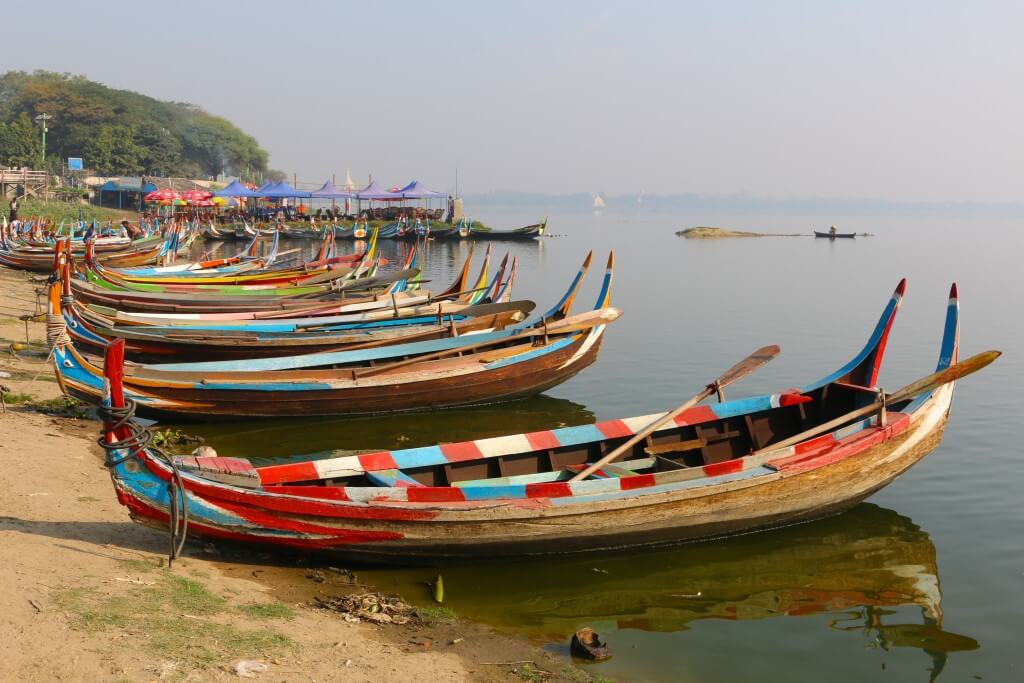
605	296
863	369
949	350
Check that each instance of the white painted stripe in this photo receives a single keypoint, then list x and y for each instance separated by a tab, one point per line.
503	445
338	467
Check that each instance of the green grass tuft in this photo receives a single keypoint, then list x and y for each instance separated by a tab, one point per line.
267	610
16	397
436	616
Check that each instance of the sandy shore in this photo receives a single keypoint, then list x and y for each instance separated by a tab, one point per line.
88	596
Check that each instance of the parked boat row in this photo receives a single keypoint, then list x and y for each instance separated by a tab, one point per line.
346	334
412	231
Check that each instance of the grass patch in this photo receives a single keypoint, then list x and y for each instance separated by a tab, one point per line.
267	610
16	397
63	406
69	211
174	619
188	596
437	616
140	565
527	672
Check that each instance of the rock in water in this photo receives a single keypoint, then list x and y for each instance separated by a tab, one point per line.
586	644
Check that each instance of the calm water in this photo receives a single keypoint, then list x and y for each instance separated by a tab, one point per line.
927	579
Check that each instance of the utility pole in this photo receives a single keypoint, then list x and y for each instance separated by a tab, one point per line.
43	118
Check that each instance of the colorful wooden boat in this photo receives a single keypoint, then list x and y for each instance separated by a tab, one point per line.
480	368
715	470
836	236
528	232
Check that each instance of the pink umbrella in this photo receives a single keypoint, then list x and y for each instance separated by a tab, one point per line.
162	196
193	196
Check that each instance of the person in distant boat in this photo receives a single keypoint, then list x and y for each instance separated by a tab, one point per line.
133	231
832	232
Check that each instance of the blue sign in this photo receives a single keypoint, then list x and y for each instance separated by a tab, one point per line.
75	163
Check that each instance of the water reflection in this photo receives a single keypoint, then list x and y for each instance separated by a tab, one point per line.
865	567
290	439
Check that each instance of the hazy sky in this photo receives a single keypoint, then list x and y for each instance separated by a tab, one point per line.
894	100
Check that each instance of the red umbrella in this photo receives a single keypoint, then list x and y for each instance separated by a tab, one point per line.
193	196
162	195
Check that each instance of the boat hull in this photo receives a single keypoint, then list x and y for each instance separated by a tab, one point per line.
410	534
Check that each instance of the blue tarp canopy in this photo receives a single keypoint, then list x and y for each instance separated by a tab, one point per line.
375	191
416	190
329	191
236	189
282	190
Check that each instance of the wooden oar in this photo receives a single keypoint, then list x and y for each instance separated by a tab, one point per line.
746	366
929	383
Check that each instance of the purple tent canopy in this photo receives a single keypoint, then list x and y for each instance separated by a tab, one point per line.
416	190
375	191
329	191
282	190
236	189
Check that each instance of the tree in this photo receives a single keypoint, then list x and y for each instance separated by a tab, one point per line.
90	120
20	143
161	151
112	151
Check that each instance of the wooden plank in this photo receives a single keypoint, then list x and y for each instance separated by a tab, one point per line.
677	447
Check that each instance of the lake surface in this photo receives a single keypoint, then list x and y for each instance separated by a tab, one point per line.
925	581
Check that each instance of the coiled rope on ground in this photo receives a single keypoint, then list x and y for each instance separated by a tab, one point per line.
141	438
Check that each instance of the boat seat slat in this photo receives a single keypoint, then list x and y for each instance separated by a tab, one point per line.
392	479
676	447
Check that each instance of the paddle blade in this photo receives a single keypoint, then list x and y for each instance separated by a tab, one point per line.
950	374
747	366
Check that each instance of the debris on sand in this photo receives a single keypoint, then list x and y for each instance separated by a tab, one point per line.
371	606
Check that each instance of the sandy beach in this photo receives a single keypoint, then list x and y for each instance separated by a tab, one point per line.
89	597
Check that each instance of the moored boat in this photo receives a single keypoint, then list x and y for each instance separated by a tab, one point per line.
731	467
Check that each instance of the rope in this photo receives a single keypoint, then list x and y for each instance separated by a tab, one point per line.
140	438
56	331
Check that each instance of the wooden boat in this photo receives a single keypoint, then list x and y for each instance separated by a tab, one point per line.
287	315
836	236
484	367
725	468
528	232
93	330
466	229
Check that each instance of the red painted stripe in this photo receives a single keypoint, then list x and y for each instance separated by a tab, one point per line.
850	446
793	399
435	494
461	451
295	471
638	481
324	492
550	489
293	505
612	429
540	441
725	467
813	444
381	460
696	415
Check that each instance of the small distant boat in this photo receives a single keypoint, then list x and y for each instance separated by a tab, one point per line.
833	235
598	202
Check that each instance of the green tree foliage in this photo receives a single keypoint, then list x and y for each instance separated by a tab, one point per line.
118	132
20	143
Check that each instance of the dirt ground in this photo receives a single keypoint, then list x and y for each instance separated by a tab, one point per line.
87	595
